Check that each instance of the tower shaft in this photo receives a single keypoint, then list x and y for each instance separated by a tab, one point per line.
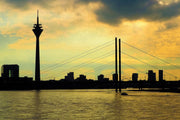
37	66
119	65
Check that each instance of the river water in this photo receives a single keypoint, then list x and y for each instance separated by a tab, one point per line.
88	104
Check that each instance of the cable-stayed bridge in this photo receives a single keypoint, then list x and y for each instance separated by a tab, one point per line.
100	60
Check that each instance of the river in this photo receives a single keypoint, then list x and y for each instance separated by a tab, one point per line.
88	104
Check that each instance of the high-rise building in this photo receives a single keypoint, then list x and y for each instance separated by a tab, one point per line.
101	77
10	71
37	29
151	76
70	77
160	75
82	78
135	77
114	76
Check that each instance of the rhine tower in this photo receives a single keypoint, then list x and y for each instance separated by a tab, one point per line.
37	29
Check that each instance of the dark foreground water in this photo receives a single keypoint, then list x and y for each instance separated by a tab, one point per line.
88	105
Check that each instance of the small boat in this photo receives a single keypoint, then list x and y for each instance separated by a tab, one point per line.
124	93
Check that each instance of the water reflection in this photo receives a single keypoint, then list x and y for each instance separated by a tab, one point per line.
37	103
88	104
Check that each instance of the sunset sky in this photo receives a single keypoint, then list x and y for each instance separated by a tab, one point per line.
74	27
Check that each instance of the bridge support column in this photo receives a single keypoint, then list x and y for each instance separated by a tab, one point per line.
116	74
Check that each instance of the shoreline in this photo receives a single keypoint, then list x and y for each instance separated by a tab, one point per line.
158	90
145	89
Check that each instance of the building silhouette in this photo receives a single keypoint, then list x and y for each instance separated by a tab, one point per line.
160	75
151	76
102	79
81	78
69	77
114	76
10	71
37	29
10	78
135	77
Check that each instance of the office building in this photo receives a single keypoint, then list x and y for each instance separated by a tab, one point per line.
135	77
160	75
69	77
100	77
151	76
10	71
115	76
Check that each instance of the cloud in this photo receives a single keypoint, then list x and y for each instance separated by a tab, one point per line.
114	12
171	25
6	39
24	4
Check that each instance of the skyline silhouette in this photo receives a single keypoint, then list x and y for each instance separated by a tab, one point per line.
10	80
90	59
146	45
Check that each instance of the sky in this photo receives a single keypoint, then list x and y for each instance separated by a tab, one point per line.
79	37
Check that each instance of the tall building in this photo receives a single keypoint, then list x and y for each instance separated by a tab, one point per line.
100	77
37	29
160	75
10	71
114	76
70	77
151	76
82	78
135	77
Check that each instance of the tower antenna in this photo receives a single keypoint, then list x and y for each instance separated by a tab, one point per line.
37	17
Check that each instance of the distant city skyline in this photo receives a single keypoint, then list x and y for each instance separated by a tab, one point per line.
11	71
75	26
